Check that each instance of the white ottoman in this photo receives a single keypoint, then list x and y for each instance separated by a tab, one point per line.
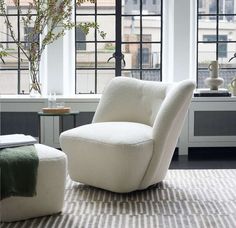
50	189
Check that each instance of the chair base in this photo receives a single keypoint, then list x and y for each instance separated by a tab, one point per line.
115	159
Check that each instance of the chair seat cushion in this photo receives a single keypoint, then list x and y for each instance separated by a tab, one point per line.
115	133
117	145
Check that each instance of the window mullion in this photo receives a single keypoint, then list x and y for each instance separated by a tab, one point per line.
118	53
18	49
141	39
217	29
96	52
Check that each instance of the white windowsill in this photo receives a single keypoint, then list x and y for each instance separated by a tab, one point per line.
74	98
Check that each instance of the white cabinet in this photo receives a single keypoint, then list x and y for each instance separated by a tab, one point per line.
211	122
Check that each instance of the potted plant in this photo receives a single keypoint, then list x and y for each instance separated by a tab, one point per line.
48	21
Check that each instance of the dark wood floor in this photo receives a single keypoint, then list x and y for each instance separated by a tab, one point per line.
206	158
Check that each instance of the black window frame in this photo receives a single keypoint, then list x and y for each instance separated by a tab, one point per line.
20	25
219	42
119	42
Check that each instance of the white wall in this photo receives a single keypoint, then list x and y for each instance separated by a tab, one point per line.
179	40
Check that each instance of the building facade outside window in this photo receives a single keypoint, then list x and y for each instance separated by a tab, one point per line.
216	38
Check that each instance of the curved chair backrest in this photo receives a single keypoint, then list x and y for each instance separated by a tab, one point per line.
166	130
128	99
160	105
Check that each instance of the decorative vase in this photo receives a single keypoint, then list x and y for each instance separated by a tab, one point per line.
233	86
214	81
35	86
34	91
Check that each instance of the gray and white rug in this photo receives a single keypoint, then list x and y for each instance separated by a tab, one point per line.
186	198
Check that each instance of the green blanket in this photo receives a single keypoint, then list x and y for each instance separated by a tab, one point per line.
18	171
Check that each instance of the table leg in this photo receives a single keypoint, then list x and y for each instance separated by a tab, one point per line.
74	120
39	127
61	123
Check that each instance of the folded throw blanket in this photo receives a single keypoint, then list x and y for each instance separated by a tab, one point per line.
18	171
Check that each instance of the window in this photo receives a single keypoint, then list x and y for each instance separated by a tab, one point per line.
28	38
80	36
14	76
145	56
222	46
216	38
200	3
132	47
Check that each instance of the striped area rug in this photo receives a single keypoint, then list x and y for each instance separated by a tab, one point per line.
186	198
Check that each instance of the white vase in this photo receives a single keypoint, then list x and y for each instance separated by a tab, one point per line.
214	83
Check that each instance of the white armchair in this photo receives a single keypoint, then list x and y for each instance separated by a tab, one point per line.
130	143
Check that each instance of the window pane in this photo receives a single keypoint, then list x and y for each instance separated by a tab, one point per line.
103	22
8	82
131	7
151	75
223	52
227	7
151	55
91	35
104	77
131	28
207	7
4	34
202	75
24	63
228	28
85	58
106	7
85	8
11	8
231	50
207	29
151	7
80	36
26	32
151	29
24	82
105	52
131	73
131	55
206	53
85	81
11	60
24	4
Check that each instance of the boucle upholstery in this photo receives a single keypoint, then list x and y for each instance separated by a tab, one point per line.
134	132
50	189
